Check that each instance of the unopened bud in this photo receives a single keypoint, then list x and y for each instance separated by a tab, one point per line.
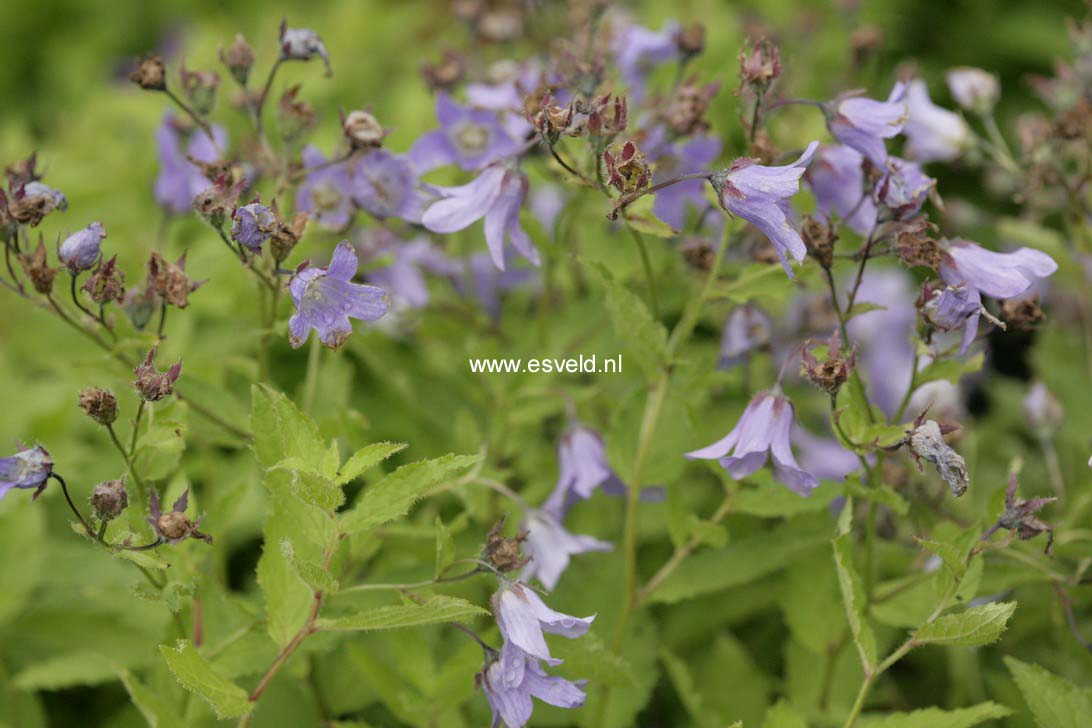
445	74
362	130
504	554
691	40
974	89
169	280
301	44
200	87
109	499
150	75
760	67
38	270
152	384
100	405
239	59
140	305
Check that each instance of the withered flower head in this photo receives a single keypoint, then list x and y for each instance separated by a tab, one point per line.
23	171
926	442
37	268
286	235
362	130
627	168
173	526
107	283
504	554
150	75
446	74
915	244
239	59
820	237
152	384
760	66
691	39
170	281
1019	516
109	499
685	114
1022	313
217	201
832	372
100	405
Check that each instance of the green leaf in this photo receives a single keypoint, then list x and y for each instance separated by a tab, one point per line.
770	499
951	370
951	554
197	675
854	600
1054	701
158	712
885	495
973	627
783	715
863	307
159	449
435	610
639	216
394	495
21	522
683	683
445	547
281	431
758	280
645	338
855	420
311	573
67	670
937	718
365	458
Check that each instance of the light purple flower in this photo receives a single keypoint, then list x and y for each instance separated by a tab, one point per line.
386	185
35	189
886	352
179	179
403	278
974	89
638	50
823	457
1001	275
29	468
864	123
546	202
252	225
933	133
679	158
523	617
582	459
748	328
324	194
478	277
471	138
512	678
760	195
302	44
551	547
838	180
82	249
954	307
496	195
903	188
326	298
762	431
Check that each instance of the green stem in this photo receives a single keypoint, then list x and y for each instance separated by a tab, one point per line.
136	427
650	279
142	488
310	382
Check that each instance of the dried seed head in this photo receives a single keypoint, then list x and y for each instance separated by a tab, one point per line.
820	237
362	130
239	59
37	268
685	114
445	74
627	168
109	499
691	40
833	371
100	405
107	283
169	280
150	75
504	554
152	384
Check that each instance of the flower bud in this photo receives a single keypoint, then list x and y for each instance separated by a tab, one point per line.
362	130
252	225
107	283
81	250
627	168
173	526
169	280
150	75
239	59
200	87
926	442
301	44
504	554
100	405
37	268
759	67
830	374
974	89
690	40
109	499
140	305
33	200
152	384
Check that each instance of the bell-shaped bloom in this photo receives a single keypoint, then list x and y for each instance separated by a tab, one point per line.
951	308
748	328
639	50
551	547
904	188
883	335
469	137
496	195
760	195
326	298
522	617
1001	275
864	124
762	432
582	459
974	89
682	157
82	249
838	181
403	278
476	276
324	194
386	185
933	133
29	468
512	678
252	224
179	179
823	457
303	44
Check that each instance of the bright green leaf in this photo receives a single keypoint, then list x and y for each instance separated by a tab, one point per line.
435	610
976	626
197	675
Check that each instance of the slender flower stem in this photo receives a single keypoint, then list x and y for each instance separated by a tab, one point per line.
646	264
260	103
162	320
67	497
136	427
90	314
129	463
628	199
195	116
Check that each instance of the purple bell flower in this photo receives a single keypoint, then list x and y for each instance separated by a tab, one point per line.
760	195
403	278
522	617
510	679
904	188
83	248
838	181
551	547
638	50
469	137
1001	275
582	458
864	123
954	307
748	328
933	133
385	185
324	194
680	158
252	225
29	468
762	431
179	179
326	298
496	195
823	457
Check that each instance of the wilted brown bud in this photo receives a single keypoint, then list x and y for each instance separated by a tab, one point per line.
150	75
362	130
698	253
109	499
239	59
152	384
1022	313
100	405
1019	516
865	41
37	268
217	201
915	244
286	235
107	283
832	372
504	554
627	168
609	116
294	115
23	171
200	87
32	201
686	112
759	67
173	526
169	280
445	74
820	237
691	40
926	442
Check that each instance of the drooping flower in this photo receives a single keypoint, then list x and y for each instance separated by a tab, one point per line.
551	547
28	468
864	123
302	44
253	224
179	179
496	194
747	328
326	298
386	185
469	137
324	194
762	432
933	133
511	678
1000	275
760	195
838	181
582	459
679	158
403	278
974	89
522	617
173	526
950	308
903	189
81	250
